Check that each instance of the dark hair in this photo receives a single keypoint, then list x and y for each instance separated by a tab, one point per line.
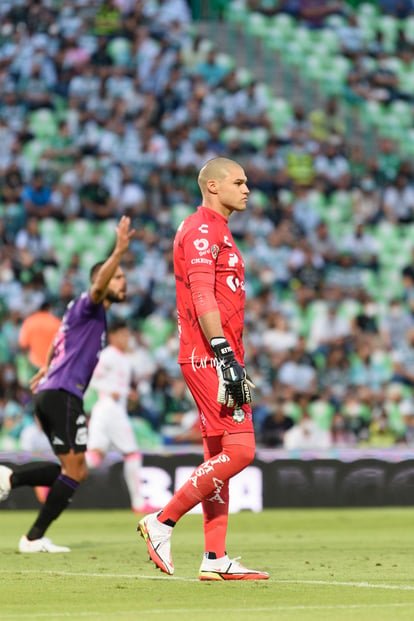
95	269
117	324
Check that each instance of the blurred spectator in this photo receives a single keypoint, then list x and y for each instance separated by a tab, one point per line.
275	426
276	335
14	421
403	360
297	372
398	201
306	435
341	435
329	329
334	378
37	333
363	247
210	69
12	184
307	267
331	165
95	198
395	324
408	285
31	239
366	202
366	370
36	197
180	422
344	277
322	243
327	121
65	201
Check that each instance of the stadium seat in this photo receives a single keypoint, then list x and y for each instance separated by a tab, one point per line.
407	25
43	123
256	136
52	229
52	276
236	12
119	49
32	151
322	413
280	112
83	230
156	330
257	25
225	60
90	257
178	212
389	26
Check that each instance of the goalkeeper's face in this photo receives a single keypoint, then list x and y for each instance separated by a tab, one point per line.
232	189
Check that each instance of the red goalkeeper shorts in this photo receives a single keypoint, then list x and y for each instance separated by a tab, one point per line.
215	418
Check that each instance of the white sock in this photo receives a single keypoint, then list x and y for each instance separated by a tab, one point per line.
132	475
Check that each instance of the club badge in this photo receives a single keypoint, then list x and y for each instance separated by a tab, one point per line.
214	251
238	415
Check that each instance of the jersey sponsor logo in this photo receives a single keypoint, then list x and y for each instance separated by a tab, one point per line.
216	496
201	244
234	283
201	260
208	466
227	241
203	229
81	420
214	251
57	441
203	363
233	259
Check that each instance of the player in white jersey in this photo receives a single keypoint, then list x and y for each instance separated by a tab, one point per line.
110	425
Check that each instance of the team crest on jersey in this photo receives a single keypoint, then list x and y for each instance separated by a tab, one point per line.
214	251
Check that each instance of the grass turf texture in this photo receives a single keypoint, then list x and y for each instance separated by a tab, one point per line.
323	564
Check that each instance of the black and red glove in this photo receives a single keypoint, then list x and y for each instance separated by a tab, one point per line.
234	387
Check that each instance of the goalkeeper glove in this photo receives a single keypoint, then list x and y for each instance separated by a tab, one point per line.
233	389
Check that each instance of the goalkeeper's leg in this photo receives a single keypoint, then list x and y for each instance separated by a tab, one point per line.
216	508
208	480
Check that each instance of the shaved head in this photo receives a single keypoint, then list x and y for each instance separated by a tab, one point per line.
218	169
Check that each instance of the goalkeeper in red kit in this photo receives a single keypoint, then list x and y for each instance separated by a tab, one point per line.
209	273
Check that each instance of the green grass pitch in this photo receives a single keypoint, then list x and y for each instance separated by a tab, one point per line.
324	564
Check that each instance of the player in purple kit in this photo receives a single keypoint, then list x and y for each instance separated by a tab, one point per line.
59	388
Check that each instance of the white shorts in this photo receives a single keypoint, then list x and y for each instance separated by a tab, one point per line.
110	427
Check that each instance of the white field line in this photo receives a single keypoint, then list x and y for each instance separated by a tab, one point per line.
360	585
163	611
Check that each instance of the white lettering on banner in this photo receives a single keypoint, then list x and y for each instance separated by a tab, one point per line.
201	244
246	489
156	485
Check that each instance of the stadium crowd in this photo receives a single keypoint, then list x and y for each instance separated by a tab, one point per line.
110	107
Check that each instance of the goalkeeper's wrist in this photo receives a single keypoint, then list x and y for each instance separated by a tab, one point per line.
221	348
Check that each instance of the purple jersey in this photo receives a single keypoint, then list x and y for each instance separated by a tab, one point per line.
76	347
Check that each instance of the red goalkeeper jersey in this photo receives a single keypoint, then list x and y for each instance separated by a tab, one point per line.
204	244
